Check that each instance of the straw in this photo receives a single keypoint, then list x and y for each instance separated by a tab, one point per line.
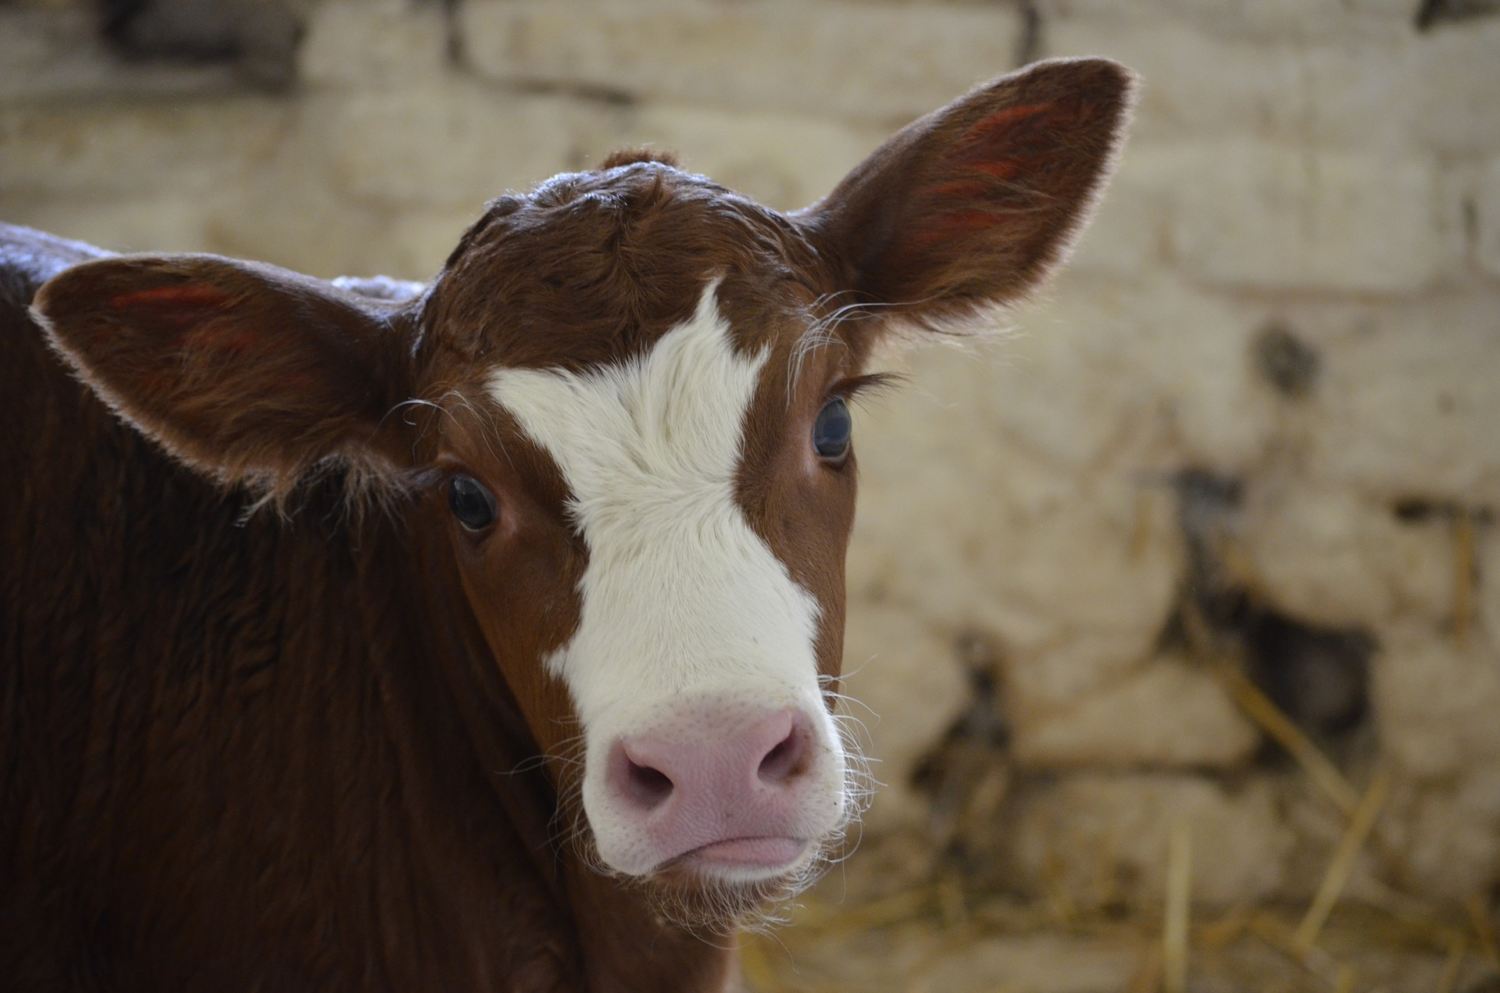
1259	708
1313	961
1484	930
1147	978
1463	575
1449	978
1342	864
1179	897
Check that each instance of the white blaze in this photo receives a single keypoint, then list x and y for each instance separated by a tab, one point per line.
681	600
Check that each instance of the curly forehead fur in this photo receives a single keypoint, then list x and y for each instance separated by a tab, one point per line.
593	267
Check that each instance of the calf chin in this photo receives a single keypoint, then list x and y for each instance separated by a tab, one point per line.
713	904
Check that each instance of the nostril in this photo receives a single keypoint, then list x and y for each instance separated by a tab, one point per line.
648	787
786	759
640	775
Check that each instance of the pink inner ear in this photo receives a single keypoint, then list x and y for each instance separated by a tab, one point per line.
222	337
962	221
979	131
999	169
958	189
994	145
950	224
973	185
188	295
178	308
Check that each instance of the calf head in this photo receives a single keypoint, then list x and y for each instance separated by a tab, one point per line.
624	405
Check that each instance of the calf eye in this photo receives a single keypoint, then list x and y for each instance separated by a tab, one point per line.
832	430
471	503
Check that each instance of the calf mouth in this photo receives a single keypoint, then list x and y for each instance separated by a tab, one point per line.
753	859
732	885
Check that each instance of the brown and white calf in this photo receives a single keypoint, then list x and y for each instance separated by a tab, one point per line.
523	682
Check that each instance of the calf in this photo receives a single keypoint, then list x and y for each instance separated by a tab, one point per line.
515	671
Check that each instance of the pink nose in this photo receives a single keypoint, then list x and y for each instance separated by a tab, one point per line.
727	789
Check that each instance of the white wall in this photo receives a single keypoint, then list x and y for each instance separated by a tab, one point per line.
1311	184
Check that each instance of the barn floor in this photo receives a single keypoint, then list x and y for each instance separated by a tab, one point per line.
857	931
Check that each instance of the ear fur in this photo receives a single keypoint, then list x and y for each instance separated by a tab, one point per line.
975	203
244	371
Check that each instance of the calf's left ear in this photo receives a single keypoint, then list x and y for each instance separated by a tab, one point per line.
244	371
973	204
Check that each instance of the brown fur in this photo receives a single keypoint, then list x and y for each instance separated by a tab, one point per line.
300	752
977	202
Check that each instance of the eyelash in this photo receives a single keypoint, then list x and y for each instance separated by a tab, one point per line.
865	387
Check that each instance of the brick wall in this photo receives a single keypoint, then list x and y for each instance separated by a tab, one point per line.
1255	430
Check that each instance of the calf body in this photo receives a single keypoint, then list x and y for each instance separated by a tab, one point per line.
252	753
480	636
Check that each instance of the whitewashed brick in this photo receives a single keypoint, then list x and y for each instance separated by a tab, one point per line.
161	222
1451	837
975	529
1048	677
1104	835
1129	234
786	161
449	140
1408	404
1029	962
1168	713
372	42
1487	559
56	52
1281	217
1358	95
891	658
1487	213
327	236
842	59
49	51
446	142
1455	82
300	228
1144	373
1192	83
1261	21
1332	556
106	148
1437	699
1389	90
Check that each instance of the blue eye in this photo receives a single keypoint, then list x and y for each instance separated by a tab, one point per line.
832	430
471	503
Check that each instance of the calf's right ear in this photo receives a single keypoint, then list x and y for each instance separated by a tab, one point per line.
975	203
244	371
